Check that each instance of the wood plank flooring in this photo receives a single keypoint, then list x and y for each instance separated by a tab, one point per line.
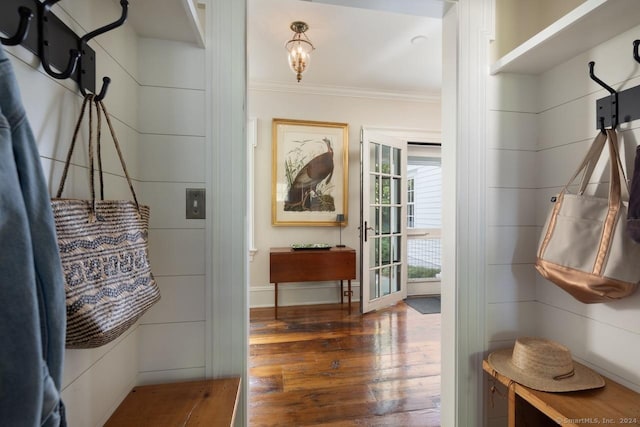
319	366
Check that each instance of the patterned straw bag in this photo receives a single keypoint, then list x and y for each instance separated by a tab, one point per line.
104	251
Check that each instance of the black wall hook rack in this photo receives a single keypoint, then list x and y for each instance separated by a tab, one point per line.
57	45
627	105
83	44
23	28
612	102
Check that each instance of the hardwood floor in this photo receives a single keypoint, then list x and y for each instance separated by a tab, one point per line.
319	366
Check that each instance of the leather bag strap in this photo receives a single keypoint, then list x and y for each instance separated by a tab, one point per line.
588	163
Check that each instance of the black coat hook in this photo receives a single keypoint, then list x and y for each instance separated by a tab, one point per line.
636	56
125	8
43	44
23	28
85	39
597	80
614	100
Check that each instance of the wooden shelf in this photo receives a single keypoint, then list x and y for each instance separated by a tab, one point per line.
612	404
179	20
585	27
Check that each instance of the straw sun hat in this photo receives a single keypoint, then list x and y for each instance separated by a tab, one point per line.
544	365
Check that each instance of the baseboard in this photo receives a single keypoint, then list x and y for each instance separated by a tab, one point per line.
300	294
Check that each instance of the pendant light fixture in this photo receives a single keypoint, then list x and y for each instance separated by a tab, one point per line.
299	48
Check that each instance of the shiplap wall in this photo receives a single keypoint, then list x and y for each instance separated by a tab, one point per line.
605	336
540	127
171	159
511	220
94	381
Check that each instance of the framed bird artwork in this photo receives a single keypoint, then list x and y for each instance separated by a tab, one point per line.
310	172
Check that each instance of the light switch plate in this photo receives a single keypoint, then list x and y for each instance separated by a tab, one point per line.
196	206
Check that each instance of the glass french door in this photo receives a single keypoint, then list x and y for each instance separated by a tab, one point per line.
383	271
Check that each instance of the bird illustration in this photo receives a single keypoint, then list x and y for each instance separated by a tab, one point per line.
307	179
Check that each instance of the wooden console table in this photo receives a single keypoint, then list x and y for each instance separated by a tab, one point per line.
612	404
312	265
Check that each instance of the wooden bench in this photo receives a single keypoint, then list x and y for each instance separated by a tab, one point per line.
195	403
613	404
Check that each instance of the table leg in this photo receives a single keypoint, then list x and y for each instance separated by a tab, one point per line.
349	296
276	300
341	292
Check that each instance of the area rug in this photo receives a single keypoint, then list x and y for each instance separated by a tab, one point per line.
424	305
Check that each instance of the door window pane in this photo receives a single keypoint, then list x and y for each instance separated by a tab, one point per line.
396	195
374	284
386	191
374	156
373	189
374	252
395	219
386	159
396	162
386	220
385	249
396	249
396	282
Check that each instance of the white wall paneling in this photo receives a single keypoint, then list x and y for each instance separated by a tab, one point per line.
607	348
185	351
511	206
172	158
511	223
171	111
595	333
171	376
563	101
177	252
227	332
511	283
168	205
91	398
508	320
169	62
181	300
182	158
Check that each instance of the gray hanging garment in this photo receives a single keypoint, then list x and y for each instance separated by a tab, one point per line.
633	214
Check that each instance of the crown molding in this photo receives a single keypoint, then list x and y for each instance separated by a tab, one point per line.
351	92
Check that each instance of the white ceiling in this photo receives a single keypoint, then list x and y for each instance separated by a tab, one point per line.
357	49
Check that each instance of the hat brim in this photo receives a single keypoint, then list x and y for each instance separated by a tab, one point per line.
583	379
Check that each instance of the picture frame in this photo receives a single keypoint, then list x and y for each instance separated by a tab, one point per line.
310	172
